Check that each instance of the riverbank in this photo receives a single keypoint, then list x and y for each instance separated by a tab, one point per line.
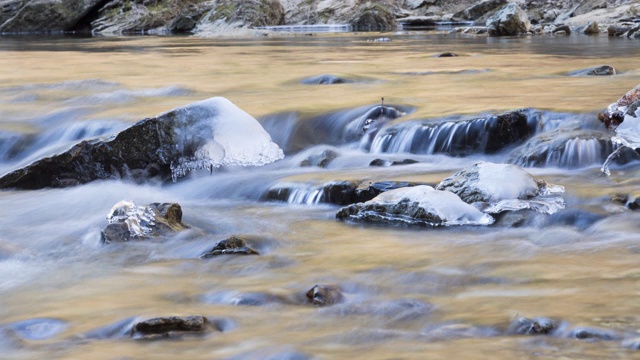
244	18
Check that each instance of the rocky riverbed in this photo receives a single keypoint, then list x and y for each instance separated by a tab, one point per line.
256	17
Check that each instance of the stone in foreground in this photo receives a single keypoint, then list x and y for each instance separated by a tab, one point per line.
324	295
204	134
418	205
231	246
169	327
128	221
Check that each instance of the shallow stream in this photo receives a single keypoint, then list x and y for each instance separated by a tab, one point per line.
437	293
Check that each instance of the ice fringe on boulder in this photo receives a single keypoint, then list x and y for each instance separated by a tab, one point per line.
222	134
139	219
419	205
626	113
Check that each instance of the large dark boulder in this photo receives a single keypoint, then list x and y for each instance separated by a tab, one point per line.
165	147
170	327
508	21
44	15
480	9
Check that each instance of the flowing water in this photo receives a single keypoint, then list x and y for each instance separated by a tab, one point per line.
437	293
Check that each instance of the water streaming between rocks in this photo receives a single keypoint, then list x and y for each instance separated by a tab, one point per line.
447	292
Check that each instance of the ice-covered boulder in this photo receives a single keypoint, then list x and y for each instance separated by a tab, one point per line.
418	205
128	221
624	117
204	134
503	187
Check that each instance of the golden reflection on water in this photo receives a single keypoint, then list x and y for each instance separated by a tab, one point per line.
584	287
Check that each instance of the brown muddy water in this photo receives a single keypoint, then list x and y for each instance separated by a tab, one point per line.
437	293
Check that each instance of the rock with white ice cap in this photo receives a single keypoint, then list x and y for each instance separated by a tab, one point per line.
624	117
418	205
204	134
503	187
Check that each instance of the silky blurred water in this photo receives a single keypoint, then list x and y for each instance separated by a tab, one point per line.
437	293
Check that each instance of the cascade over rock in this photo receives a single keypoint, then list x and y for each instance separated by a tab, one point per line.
204	134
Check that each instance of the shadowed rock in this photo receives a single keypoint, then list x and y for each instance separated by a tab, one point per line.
169	327
480	9
324	295
165	147
44	15
326	79
537	326
601	70
593	334
231	246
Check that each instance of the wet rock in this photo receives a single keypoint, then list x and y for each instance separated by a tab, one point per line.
601	70
616	112
127	221
446	54
480	9
471	30
488	182
593	334
456	137
324	295
44	15
335	192
380	162
326	79
614	30
568	149
562	29
170	327
419	205
165	147
321	160
231	246
536	326
508	21
591	28
366	193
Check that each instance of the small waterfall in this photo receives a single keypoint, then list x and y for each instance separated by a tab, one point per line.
335	192
457	137
566	149
336	128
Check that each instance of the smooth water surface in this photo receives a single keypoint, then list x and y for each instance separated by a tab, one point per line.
438	293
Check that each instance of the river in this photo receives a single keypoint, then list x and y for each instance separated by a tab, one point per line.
437	293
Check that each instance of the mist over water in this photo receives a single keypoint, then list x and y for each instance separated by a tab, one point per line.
448	292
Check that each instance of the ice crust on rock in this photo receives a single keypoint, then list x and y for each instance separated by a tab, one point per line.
218	133
504	187
444	207
139	219
627	134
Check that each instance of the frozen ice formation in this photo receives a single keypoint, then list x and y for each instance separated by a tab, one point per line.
139	219
624	116
504	187
215	132
420	205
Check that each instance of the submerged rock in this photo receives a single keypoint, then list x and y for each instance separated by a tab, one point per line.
536	326
601	70
127	221
419	205
508	21
324	295
170	327
204	134
327	79
34	329
320	160
231	246
593	334
504	187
